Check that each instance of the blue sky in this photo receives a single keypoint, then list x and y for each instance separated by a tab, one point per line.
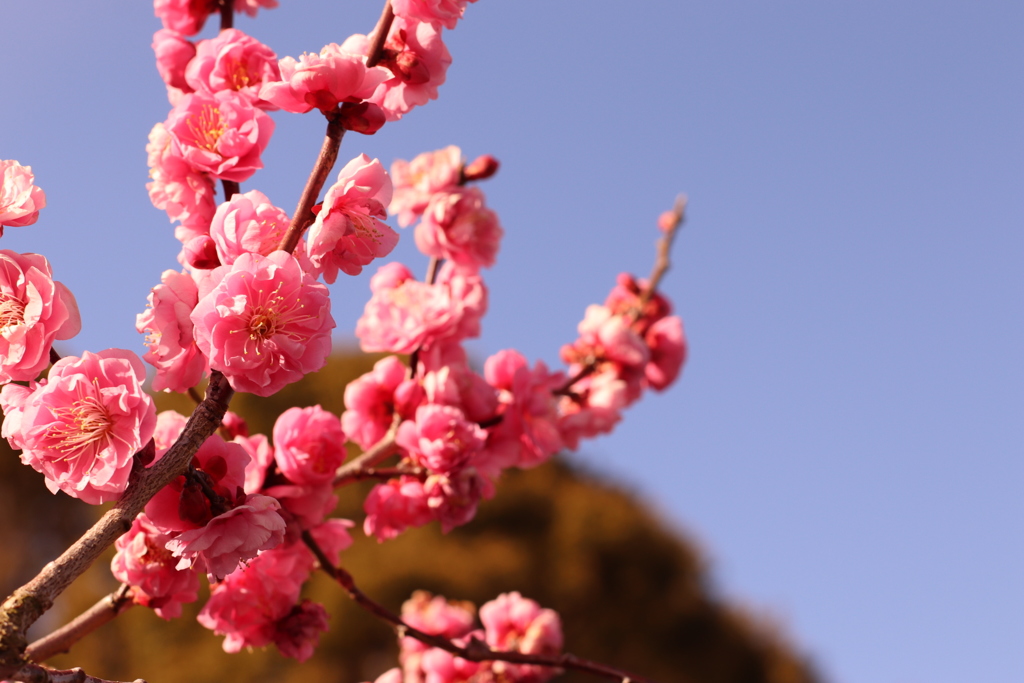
845	443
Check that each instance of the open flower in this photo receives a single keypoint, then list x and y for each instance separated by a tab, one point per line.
20	199
83	425
265	323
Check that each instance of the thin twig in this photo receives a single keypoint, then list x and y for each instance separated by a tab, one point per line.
231	188
385	473
475	650
61	640
661	262
34	673
377	453
227	20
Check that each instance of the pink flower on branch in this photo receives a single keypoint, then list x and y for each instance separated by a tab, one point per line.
82	426
35	311
233	61
148	567
323	81
529	409
372	400
265	323
441	439
444	12
249	223
221	134
348	233
168	329
188	16
516	624
458	226
418	180
309	445
20	199
173	53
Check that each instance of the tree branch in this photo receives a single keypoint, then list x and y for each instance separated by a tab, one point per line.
23	607
380	451
380	35
85	623
227	19
661	262
475	650
34	673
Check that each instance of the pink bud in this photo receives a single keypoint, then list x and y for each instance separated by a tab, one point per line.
201	252
481	168
667	221
364	118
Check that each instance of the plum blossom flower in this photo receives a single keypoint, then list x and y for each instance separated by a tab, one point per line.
265	323
418	180
416	56
186	195
516	624
148	567
440	439
83	425
247	223
173	53
434	615
35	310
231	537
457	225
444	12
347	233
20	198
168	329
403	314
221	134
667	344
298	633
372	400
529	409
394	506
308	445
323	80
184	16
233	61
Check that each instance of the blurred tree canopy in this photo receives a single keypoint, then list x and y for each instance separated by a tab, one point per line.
631	592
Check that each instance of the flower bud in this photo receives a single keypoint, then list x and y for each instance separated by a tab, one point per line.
481	168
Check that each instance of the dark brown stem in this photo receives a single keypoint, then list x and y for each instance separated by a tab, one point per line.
34	673
227	20
380	35
385	473
54	356
23	607
475	650
231	188
85	623
303	216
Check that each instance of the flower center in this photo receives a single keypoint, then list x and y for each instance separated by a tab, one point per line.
264	323
83	423
207	127
239	76
12	312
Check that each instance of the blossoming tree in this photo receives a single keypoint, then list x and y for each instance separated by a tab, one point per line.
200	495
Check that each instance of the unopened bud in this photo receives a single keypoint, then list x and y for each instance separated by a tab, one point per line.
667	221
364	117
201	252
481	168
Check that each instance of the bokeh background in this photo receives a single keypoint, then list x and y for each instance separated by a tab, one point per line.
845	444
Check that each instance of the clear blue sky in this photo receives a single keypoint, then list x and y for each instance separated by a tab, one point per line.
846	441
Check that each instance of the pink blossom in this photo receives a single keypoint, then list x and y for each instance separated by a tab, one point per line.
20	199
221	134
184	16
624	299
437	616
393	507
440	438
449	380
185	195
173	53
297	634
667	344
372	400
458	226
418	180
251	7
440	666
234	424
82	427
219	466
416	56
168	329
261	455
148	567
606	336
233	61
308	445
247	223
404	314
445	12
35	311
347	233
265	324
516	624
595	408
529	414
453	497
323	80
303	507
232	537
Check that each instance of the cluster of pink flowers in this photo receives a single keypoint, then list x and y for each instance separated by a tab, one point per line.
511	623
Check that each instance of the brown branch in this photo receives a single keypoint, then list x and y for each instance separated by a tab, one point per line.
475	650
231	188
61	640
227	20
380	35
303	216
380	451
661	262
34	673
385	473
23	607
